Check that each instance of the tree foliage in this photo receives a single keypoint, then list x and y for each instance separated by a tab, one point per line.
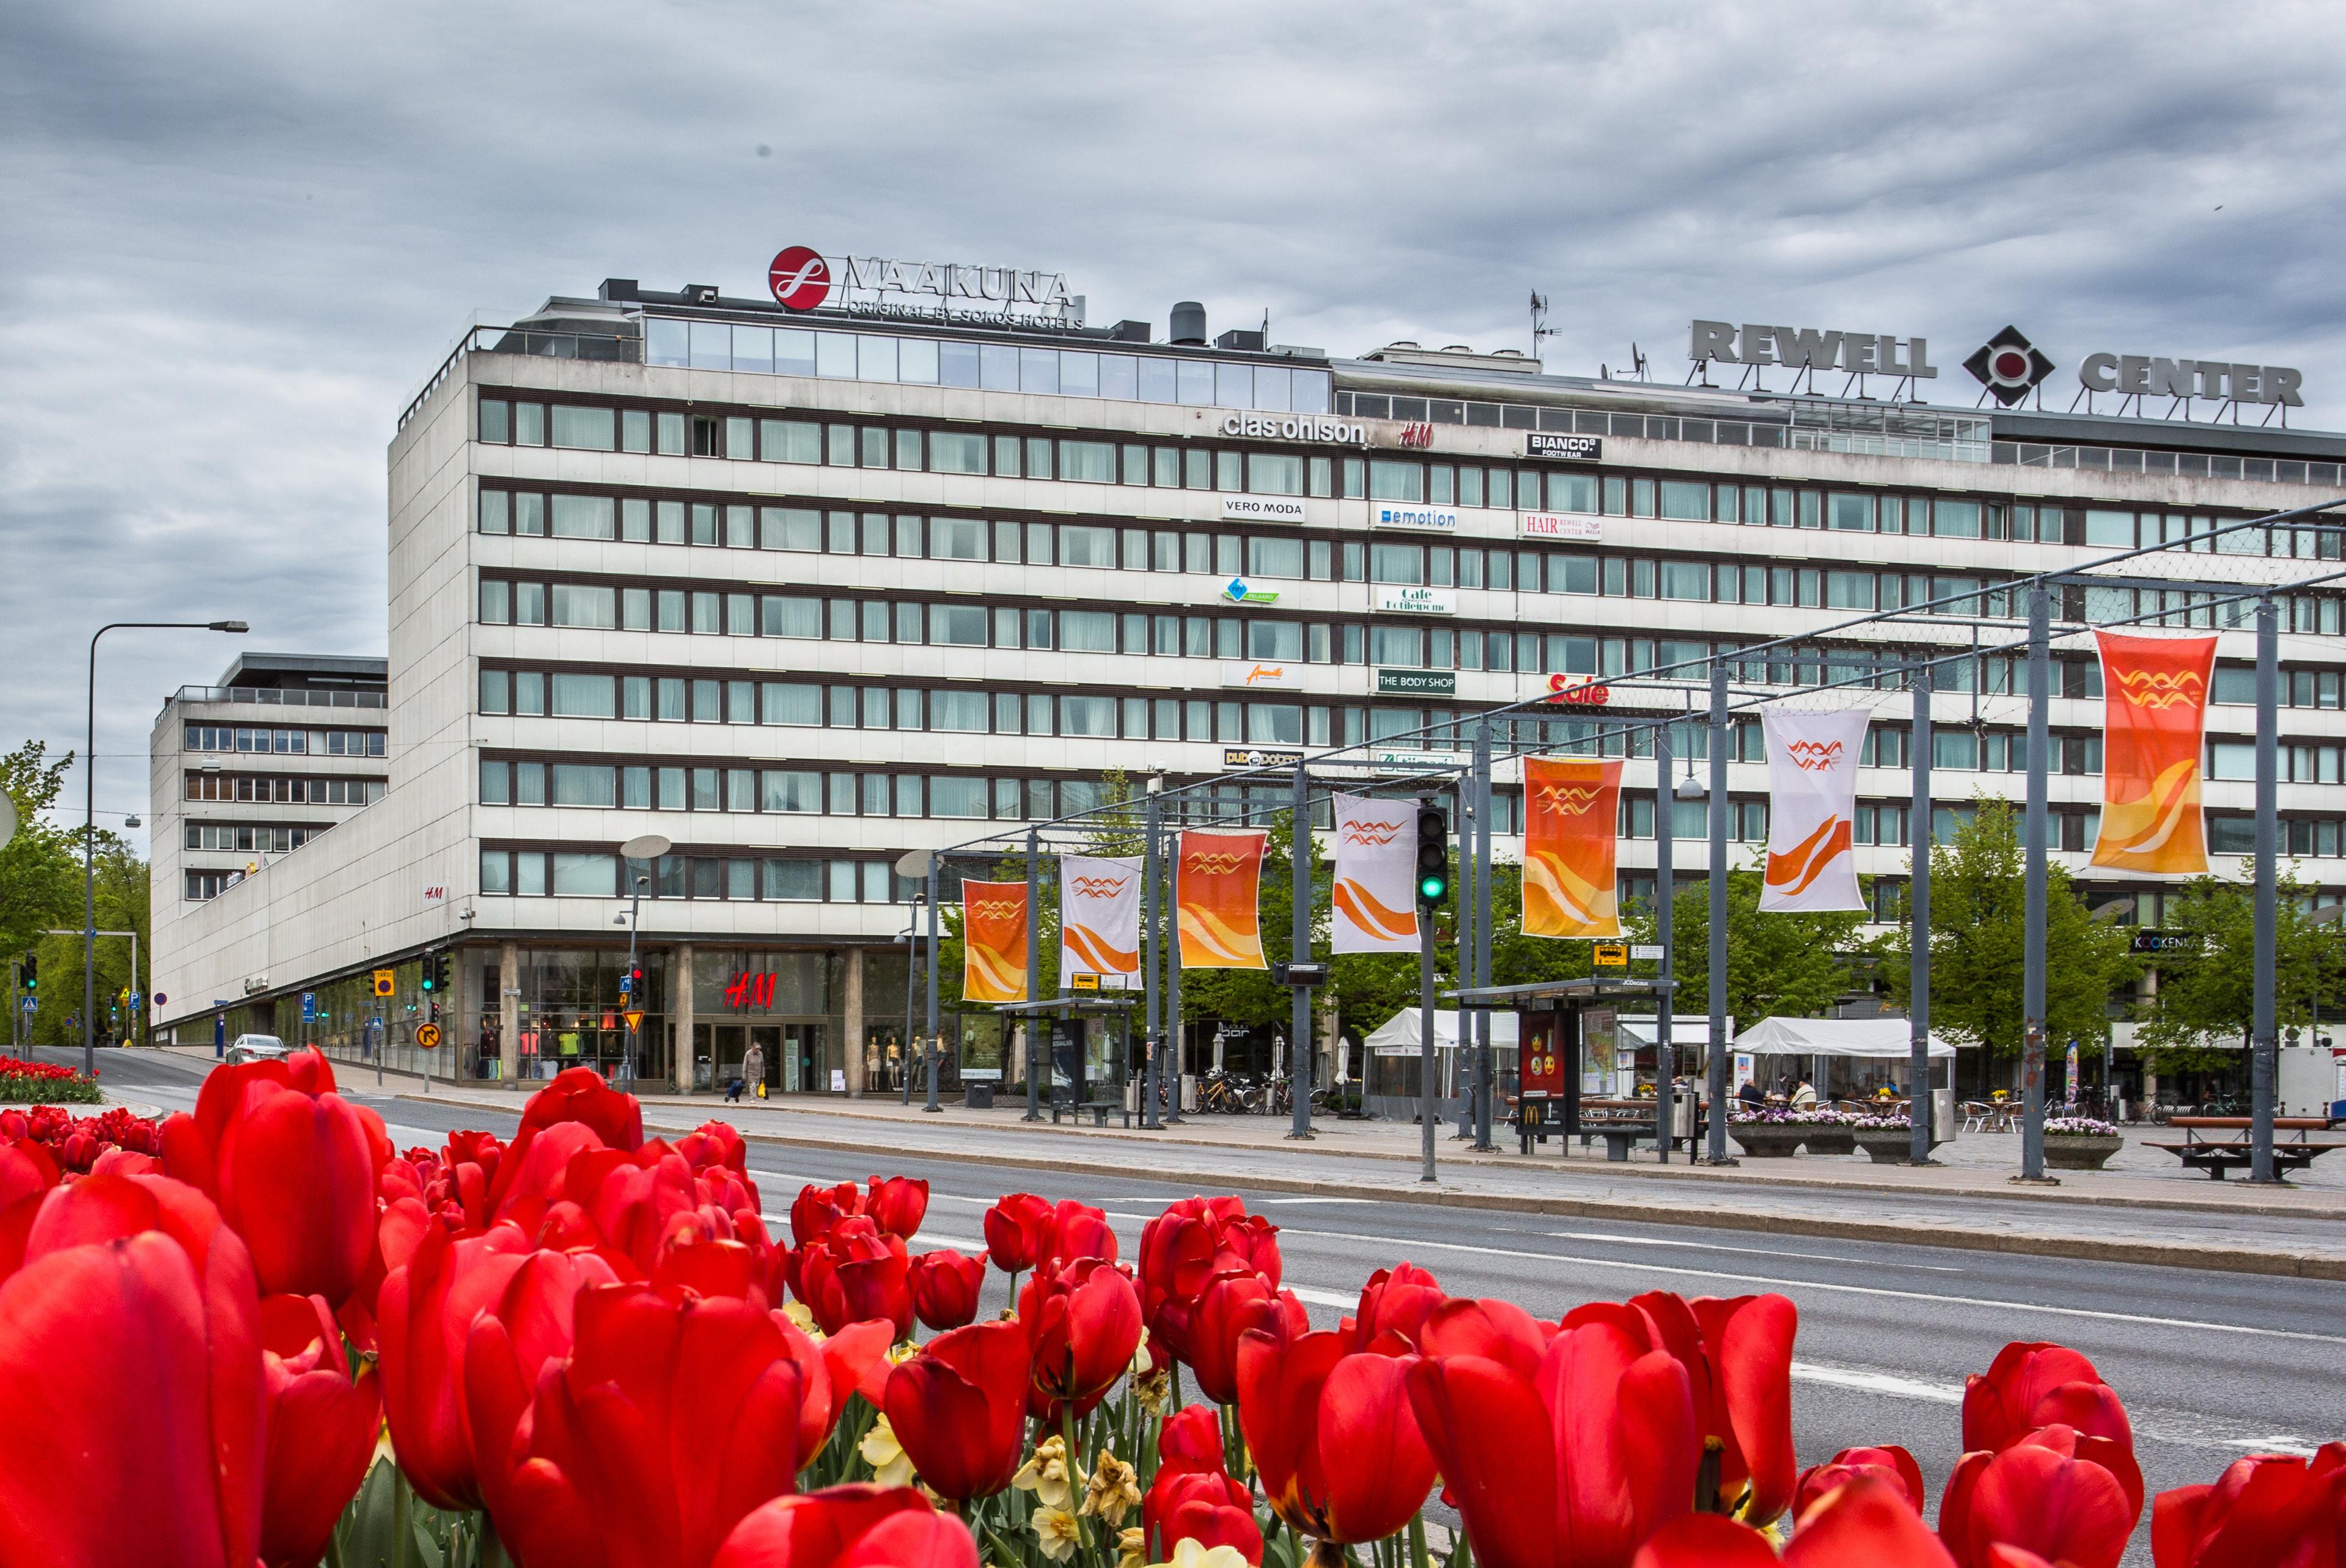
41	891
1779	964
1978	946
2207	989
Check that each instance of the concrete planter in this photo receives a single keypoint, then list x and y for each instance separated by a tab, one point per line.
2080	1154
1769	1140
1885	1145
1832	1140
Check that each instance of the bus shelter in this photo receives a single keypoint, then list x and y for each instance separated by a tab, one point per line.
1574	1073
1078	1048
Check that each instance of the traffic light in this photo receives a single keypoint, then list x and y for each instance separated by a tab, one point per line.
435	971
631	983
1433	857
31	972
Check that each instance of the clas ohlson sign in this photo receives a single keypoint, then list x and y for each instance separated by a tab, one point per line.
1296	427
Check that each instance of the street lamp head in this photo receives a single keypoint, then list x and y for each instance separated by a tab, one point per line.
228	626
1691	789
643	881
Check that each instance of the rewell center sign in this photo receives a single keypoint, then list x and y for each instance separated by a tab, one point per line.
1809	349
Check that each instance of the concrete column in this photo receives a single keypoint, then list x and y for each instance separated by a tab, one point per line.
852	1025
679	1012
509	1014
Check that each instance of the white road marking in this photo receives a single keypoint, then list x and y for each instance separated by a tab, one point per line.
1324	1297
1267	1202
1876	1383
1796	1285
1755	1251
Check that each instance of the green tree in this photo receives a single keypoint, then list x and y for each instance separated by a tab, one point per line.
2206	990
1782	965
1978	947
40	868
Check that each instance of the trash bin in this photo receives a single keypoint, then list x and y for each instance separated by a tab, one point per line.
977	1096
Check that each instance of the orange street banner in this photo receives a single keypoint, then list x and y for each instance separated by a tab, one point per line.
1571	809
1216	891
993	942
1811	809
1375	895
1099	919
2154	712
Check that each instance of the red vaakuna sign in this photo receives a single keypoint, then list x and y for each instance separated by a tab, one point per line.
800	278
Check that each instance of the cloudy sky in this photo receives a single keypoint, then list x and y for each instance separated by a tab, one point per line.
239	236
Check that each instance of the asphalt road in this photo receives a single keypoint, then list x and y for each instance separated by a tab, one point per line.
2211	1365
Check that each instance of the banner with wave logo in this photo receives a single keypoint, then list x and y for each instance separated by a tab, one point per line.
1375	891
1571	811
2154	713
1811	809
993	942
1099	919
1216	890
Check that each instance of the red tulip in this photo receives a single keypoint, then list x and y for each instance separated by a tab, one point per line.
2266	1509
1190	1442
818	1208
27	1174
424	1319
856	1274
1212	1524
1576	1464
959	1409
1080	1230
1747	1342
946	1287
1499	1330
527	1327
292	1167
1180	1503
2032	1496
1891	1462
1709	1540
580	1095
1018	1232
669	1422
130	1370
898	1205
1865	1524
1083	1325
322	1428
1182	1251
1395	1301
1333	1438
852	1526
1230	1305
853	1361
2028	1386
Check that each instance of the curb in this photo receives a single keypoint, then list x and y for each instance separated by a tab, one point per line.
2171	1255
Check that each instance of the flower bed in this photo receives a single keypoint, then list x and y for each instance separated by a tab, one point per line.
586	1346
2080	1143
43	1083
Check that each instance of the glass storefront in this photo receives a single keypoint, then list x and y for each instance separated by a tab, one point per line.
785	1004
571	1013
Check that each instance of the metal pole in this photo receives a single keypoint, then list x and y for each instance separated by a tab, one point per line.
1464	1065
1033	1022
1152	867
1918	903
1425	1102
90	874
1665	879
912	972
1720	736
2264	1057
929	1047
1299	1039
1173	1032
634	1002
1486	1087
2032	999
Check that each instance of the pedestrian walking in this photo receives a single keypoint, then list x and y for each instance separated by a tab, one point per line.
753	1074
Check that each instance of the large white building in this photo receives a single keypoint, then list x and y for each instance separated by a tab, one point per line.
802	590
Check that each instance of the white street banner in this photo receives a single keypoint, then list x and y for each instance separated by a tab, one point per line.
1811	809
1099	919
1375	897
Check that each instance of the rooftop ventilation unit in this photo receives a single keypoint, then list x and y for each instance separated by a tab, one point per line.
1188	324
1240	340
701	293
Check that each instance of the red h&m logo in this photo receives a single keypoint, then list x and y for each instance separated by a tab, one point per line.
800	278
1418	434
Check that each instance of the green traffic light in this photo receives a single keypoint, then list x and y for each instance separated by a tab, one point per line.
1433	887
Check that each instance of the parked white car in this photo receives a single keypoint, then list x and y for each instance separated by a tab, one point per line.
257	1048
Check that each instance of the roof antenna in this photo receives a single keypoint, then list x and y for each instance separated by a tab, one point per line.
1540	329
1637	362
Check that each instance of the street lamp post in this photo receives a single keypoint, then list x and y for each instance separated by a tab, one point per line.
646	848
89	828
911	938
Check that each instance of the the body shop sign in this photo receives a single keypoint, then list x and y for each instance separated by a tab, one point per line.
1394	598
1558	526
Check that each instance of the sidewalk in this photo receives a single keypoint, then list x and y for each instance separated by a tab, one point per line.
2140	1213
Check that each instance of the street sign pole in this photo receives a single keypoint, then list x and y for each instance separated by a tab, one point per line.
1919	1106
2264	1053
1298	951
1033	1024
1665	885
1721	734
2032	837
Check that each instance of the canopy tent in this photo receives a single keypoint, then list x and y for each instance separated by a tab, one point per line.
1873	1037
1685	1034
1399	1036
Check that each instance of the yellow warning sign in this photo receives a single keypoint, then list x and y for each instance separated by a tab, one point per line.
1083	982
635	1020
1612	955
382	982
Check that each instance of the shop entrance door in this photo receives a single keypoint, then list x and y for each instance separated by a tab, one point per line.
806	1062
768	1037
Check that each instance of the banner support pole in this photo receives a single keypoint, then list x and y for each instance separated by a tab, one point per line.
1486	1085
1919	838
1665	885
1722	733
1033	1024
1152	949
930	1045
2032	997
1298	951
2264	1053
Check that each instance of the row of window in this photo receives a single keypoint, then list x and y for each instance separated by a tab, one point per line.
200	887
986	367
248	838
295	790
538	873
284	742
